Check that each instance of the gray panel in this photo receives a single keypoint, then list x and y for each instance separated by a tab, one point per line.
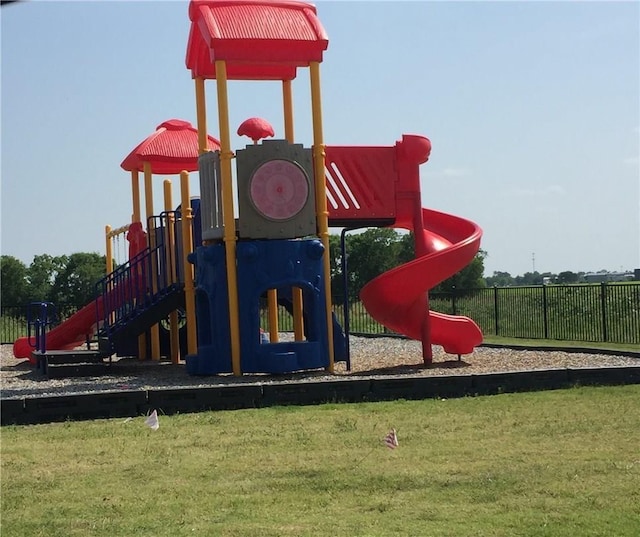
212	222
252	223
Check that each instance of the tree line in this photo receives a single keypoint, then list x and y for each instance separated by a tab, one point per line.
378	250
504	279
71	279
59	279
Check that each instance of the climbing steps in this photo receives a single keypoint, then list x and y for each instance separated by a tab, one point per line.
74	363
140	319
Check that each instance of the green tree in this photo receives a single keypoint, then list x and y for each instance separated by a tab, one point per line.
42	273
470	277
13	281
75	283
533	278
406	248
378	250
529	278
567	277
335	269
370	254
500	279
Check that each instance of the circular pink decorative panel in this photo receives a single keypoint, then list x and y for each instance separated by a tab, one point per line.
279	189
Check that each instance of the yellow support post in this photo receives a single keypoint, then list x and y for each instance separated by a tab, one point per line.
108	251
296	292
228	214
287	101
135	190
201	115
298	319
148	198
111	235
321	195
109	256
272	309
136	217
170	255
187	241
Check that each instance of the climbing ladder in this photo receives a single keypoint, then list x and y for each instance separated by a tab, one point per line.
143	291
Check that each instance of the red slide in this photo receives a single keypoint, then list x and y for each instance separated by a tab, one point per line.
398	299
70	334
82	325
444	245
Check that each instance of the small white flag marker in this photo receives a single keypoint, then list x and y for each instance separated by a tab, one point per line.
152	421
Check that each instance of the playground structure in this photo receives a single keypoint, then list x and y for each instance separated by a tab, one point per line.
216	262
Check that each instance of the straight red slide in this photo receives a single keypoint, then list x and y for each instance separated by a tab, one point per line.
70	334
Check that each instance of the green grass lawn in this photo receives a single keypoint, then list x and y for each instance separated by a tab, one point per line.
557	463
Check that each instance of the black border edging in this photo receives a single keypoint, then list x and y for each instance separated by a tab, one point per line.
446	386
186	400
88	406
131	403
312	393
12	411
520	381
594	376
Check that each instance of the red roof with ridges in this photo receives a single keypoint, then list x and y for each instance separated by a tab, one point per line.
172	148
259	39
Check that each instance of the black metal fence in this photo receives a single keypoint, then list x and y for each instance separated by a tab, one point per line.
595	313
13	320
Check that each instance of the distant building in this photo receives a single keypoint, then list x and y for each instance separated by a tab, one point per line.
599	277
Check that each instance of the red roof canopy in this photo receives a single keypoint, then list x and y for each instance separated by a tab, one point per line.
172	148
259	39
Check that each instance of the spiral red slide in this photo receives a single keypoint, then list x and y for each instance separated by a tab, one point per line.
398	299
382	184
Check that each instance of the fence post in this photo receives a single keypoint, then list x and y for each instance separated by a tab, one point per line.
454	309
603	302
545	318
495	306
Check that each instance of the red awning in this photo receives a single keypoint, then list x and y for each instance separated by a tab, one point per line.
172	148
259	39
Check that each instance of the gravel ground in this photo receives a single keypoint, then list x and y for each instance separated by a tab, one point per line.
370	357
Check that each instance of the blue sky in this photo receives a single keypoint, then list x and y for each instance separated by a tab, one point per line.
533	110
